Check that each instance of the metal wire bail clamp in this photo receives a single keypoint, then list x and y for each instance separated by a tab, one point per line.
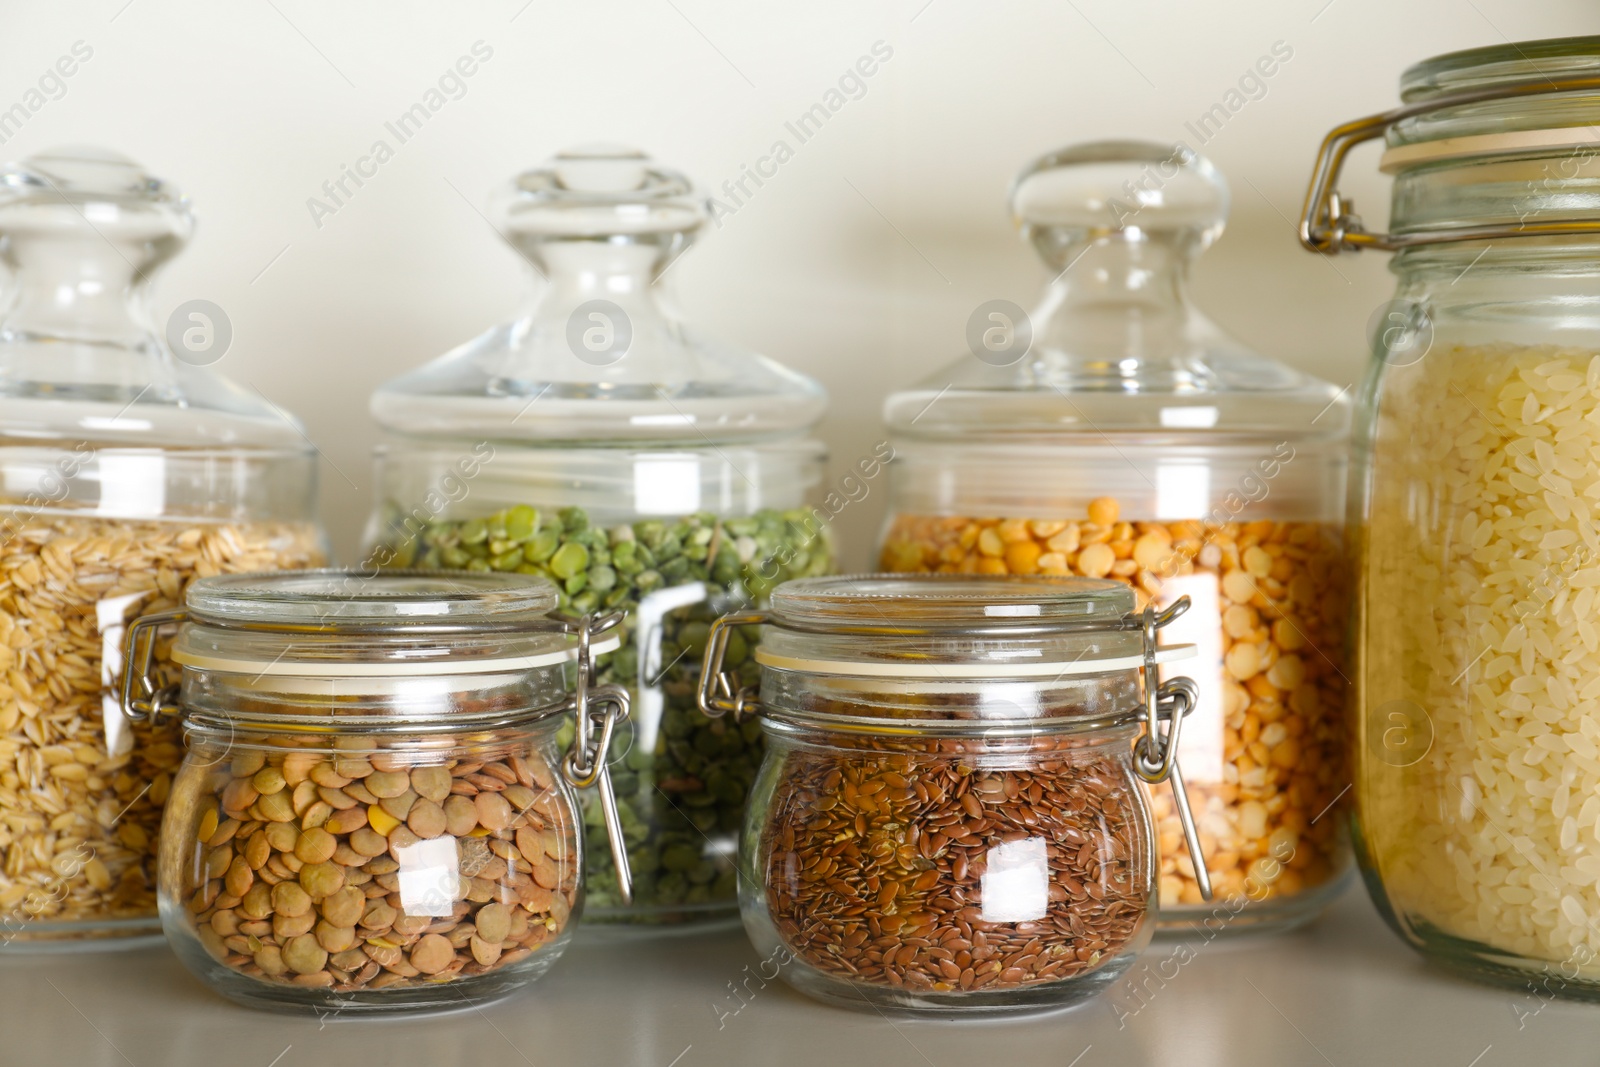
148	704
1155	754
719	692
1329	224
597	710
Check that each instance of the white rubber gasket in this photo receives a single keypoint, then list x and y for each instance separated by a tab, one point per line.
398	669
1033	669
1488	144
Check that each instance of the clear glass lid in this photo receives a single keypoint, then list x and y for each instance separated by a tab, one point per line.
399	598
336	622
913	602
82	233
1115	343
1520	127
600	355
1482	68
950	626
1511	158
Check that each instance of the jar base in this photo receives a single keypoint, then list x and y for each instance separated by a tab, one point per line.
110	935
1043	998
441	998
329	1006
1271	917
1489	966
622	926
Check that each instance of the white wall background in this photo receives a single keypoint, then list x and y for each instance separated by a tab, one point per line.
859	263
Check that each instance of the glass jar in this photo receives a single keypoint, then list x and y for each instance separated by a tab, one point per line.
601	442
127	468
373	814
949	818
1116	433
1477	771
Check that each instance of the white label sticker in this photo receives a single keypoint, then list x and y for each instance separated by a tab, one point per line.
430	874
111	618
133	486
1200	743
1183	489
666	485
1016	882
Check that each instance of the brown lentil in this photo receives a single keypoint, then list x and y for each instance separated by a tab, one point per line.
321	906
874	860
78	824
1282	607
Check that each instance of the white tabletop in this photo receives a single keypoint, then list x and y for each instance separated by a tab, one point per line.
1343	991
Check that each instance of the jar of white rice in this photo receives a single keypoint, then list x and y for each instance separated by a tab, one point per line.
1476	514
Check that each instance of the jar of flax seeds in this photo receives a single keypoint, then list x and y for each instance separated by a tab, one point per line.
951	816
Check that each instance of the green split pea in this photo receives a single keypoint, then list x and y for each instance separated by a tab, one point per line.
682	797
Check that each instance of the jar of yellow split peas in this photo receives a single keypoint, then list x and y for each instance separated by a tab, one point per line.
1113	432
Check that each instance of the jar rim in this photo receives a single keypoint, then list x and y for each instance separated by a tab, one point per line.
334	599
985	670
787	720
334	624
919	603
1501	101
960	634
213	722
1499	64
958	627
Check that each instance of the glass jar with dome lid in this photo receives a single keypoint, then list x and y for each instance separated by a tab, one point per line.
128	467
1114	432
599	440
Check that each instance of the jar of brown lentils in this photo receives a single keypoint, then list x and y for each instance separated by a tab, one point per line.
372	815
950	816
1112	432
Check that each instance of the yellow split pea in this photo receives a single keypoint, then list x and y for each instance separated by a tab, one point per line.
1265	825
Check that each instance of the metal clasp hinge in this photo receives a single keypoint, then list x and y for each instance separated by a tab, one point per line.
142	701
1155	754
598	710
719	692
1328	223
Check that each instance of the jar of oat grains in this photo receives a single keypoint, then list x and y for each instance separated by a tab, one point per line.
128	467
1112	432
1477	513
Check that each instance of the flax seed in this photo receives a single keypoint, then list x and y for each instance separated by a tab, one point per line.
878	919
